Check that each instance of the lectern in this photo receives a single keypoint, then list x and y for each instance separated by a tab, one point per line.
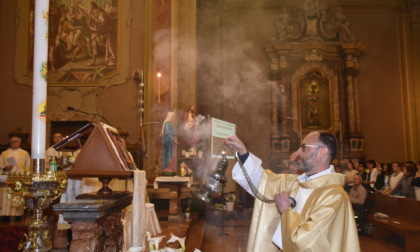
103	156
98	214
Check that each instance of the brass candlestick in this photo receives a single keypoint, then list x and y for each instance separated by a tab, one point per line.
36	191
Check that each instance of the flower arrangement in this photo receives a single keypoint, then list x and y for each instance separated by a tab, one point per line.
218	206
230	197
155	241
185	170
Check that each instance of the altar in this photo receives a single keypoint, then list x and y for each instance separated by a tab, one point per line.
175	184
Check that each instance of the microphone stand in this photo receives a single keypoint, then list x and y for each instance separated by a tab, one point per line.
84	112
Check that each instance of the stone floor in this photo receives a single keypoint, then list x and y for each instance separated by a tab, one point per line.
226	231
229	232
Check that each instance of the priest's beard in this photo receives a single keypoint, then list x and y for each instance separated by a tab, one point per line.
308	163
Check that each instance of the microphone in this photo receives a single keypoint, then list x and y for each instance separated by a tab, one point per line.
84	112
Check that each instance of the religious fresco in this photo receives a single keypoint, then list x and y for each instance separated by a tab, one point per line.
84	41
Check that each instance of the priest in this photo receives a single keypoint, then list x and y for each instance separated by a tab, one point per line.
13	159
321	220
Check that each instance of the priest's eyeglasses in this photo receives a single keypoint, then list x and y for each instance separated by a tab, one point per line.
303	146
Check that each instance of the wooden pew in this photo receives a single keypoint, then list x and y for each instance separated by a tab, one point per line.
404	219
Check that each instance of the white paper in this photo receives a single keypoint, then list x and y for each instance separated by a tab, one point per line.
219	131
11	161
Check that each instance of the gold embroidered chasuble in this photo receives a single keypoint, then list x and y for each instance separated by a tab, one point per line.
326	222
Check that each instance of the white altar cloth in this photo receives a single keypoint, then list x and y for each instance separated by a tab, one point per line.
189	180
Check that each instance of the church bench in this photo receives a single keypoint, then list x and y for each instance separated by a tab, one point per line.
404	220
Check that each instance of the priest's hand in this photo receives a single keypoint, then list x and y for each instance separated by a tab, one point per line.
236	144
282	201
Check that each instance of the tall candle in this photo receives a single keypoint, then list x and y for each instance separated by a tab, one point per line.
39	97
158	75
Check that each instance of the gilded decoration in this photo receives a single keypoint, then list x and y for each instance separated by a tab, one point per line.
313	21
315	98
36	191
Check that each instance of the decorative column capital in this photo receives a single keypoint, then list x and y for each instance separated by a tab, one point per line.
413	9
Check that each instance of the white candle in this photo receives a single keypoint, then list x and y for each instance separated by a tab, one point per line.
158	75
39	101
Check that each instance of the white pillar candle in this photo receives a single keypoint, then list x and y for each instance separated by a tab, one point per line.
39	100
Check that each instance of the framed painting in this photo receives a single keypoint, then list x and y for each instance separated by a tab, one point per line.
85	42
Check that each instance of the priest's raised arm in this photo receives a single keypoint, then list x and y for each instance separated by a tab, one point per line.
322	219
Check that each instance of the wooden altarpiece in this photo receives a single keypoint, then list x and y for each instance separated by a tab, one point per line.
313	68
103	156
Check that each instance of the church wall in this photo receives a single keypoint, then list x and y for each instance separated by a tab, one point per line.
415	104
380	83
16	100
235	89
241	98
118	104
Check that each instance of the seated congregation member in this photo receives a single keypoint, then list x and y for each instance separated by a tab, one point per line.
367	175
321	220
361	168
404	188
349	173
416	182
357	195
394	178
380	178
13	159
388	172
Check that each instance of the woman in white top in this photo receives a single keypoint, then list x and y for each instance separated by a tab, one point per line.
395	177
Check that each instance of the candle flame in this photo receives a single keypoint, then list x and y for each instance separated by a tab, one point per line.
158	75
